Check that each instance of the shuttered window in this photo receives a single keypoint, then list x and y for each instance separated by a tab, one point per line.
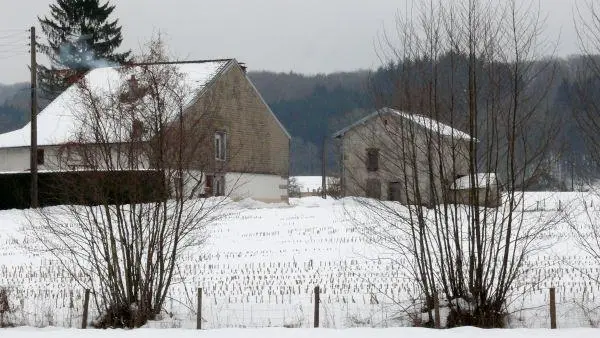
221	145
372	159
373	188
40	156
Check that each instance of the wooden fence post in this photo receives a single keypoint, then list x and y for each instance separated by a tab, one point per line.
436	310
552	308
86	303
317	301
199	312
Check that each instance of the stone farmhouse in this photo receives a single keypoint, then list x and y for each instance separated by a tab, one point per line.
413	159
244	150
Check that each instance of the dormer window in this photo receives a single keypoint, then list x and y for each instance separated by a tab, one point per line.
133	84
137	130
132	91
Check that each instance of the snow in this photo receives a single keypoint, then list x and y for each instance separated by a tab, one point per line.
57	123
481	180
466	332
262	261
423	121
310	183
430	124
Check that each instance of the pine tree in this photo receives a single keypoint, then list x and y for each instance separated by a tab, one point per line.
80	37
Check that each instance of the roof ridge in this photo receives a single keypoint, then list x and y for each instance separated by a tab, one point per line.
413	116
176	62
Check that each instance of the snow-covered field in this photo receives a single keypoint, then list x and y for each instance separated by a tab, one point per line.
309	183
262	262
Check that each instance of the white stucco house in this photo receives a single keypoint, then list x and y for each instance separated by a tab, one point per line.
240	146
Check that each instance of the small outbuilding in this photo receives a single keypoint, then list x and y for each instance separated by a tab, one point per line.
483	187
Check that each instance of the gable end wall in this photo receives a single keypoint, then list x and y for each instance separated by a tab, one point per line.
256	143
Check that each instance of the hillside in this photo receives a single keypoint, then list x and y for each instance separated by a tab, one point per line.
312	107
14	106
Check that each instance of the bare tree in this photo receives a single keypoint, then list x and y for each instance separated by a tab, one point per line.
122	239
471	65
587	106
584	217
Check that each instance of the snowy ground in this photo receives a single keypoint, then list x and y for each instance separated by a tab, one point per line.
263	261
309	183
466	332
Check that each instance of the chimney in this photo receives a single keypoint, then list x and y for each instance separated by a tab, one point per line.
133	84
243	66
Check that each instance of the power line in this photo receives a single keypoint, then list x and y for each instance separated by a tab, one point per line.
2	30
4	57
13	49
11	35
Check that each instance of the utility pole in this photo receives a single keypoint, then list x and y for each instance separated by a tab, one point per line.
323	172
572	175
33	148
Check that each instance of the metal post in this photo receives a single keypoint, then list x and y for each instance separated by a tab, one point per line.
324	171
552	308
317	301
86	302
199	312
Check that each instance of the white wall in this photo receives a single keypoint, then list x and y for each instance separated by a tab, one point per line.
17	159
265	188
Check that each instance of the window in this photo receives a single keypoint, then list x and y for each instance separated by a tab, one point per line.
394	190
373	188
220	146
372	159
208	185
137	130
40	156
214	186
219	186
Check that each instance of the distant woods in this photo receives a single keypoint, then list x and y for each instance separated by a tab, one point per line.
312	107
10	116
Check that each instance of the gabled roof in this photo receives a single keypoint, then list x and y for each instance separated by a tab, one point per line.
425	122
57	123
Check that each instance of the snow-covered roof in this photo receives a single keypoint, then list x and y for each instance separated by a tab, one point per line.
482	180
57	123
423	121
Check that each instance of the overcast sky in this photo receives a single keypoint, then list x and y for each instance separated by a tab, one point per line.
306	36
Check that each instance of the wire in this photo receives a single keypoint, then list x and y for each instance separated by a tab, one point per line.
11	35
14	30
12	50
3	57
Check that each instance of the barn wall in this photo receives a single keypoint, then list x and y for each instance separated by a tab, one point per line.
403	149
260	187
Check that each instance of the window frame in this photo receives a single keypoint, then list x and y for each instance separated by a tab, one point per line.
372	161
40	156
373	188
218	186
220	145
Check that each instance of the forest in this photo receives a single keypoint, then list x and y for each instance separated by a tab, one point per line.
313	107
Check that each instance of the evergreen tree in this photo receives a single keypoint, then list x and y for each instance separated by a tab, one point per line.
80	37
